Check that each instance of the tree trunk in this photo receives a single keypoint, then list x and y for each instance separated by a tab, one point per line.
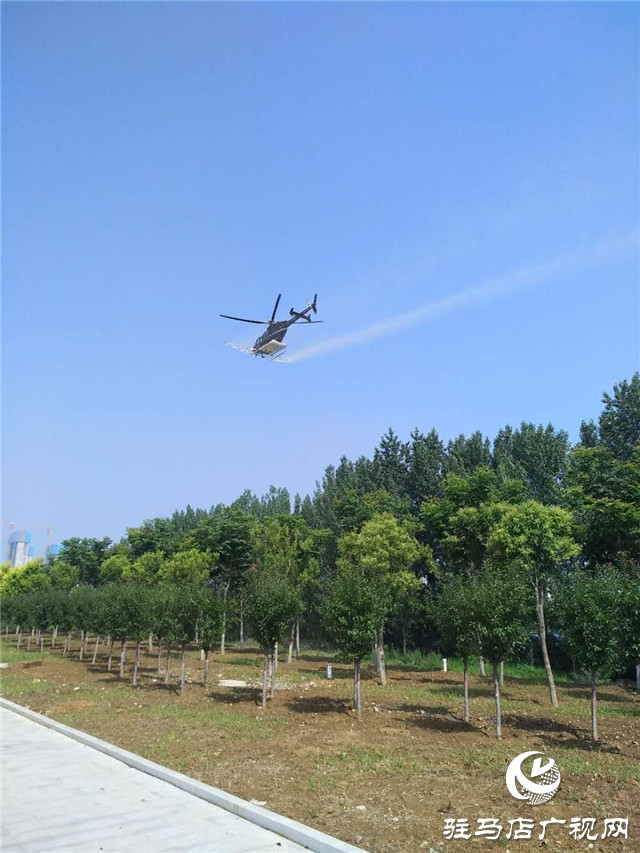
501	674
166	670
159	655
206	667
150	642
481	666
291	638
111	642
542	633
356	689
123	651
54	637
274	658
86	641
29	642
81	644
136	664
41	644
383	667
297	638
404	640
241	622
264	681
638	676
95	649
466	689
224	618
19	638
496	692
531	659
183	667
594	718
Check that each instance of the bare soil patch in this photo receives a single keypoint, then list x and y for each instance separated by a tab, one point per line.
412	761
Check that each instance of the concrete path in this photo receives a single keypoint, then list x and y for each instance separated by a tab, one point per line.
59	795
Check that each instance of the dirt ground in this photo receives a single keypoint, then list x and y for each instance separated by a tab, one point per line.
388	783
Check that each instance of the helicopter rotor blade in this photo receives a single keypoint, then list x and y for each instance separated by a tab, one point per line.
244	320
273	316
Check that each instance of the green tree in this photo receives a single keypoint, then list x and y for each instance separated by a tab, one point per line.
455	612
114	568
86	555
33	576
604	494
209	623
382	549
630	619
501	604
536	455
63	575
536	541
186	567
590	608
353	611
425	457
228	536
620	419
272	604
147	568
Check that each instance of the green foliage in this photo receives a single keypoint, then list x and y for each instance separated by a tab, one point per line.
86	555
272	603
63	575
502	614
630	615
209	616
534	539
114	568
146	569
228	537
31	577
353	610
186	567
604	494
456	615
590	611
536	456
620	420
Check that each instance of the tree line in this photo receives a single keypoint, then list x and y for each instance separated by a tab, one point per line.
476	547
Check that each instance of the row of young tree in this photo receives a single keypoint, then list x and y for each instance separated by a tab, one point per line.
525	513
486	613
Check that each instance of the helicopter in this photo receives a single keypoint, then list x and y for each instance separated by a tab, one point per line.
269	344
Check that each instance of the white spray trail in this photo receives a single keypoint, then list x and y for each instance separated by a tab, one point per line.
517	280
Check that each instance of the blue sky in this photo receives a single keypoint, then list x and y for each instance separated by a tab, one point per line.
167	162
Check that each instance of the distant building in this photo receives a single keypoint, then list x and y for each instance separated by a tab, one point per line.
54	551
20	549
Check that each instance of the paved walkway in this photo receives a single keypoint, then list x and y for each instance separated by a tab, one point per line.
59	795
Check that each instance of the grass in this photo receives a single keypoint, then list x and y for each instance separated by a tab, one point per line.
9	653
308	757
239	724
